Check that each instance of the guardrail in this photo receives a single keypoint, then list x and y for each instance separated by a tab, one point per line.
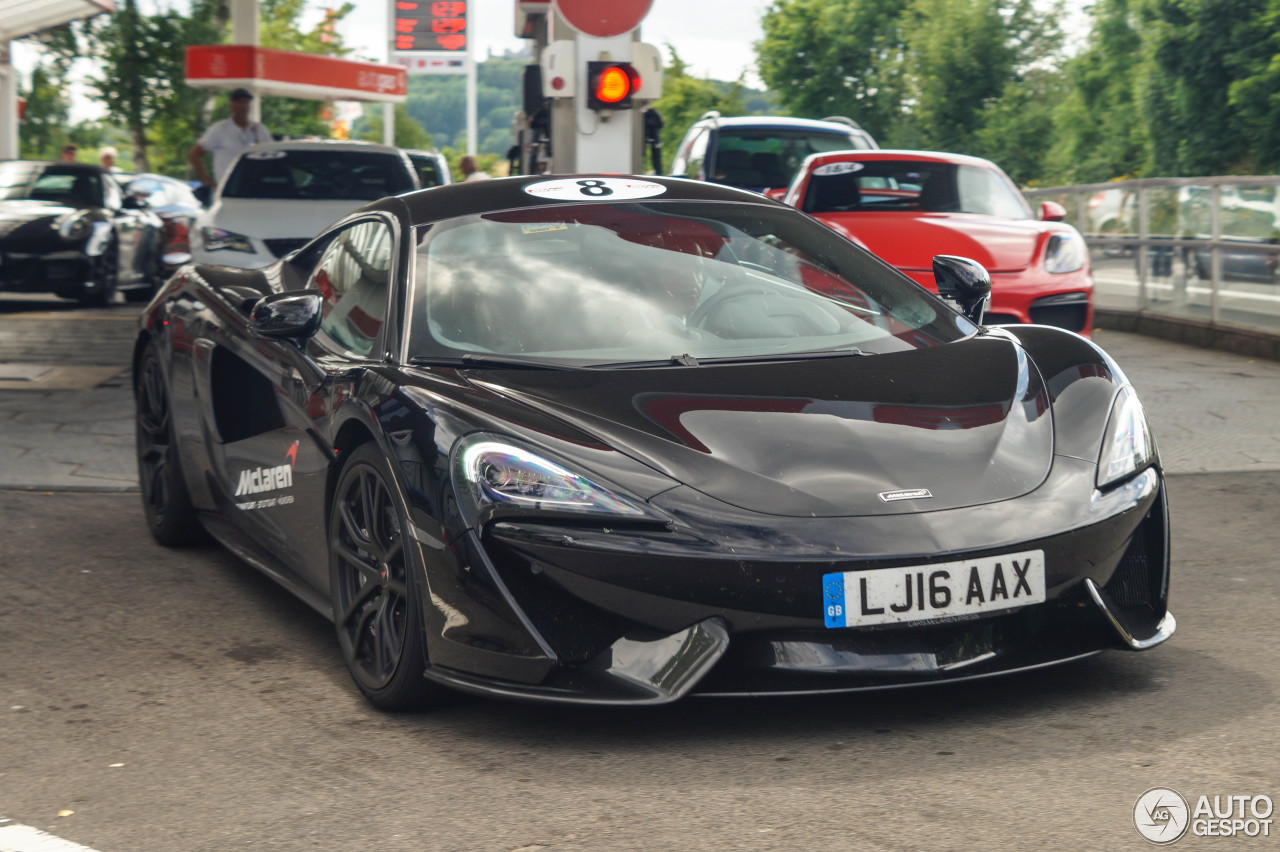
1196	259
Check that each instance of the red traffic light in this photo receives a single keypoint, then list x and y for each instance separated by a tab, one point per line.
610	85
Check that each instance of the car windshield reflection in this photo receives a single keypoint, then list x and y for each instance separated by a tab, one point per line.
632	283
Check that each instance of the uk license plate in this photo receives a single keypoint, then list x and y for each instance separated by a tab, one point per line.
940	590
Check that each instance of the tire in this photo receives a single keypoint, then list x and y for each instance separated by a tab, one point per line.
104	271
373	574
165	499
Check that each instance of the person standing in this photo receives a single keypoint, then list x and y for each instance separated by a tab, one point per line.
226	139
68	154
107	156
467	165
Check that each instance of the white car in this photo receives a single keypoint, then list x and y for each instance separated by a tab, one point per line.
277	196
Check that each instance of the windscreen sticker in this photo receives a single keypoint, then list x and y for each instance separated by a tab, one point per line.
266	155
837	169
543	227
595	189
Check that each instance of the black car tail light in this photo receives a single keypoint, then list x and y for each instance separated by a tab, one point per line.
177	236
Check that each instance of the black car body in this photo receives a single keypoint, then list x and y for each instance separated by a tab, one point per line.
177	206
453	424
67	228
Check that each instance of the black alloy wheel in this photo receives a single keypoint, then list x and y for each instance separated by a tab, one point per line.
373	586
165	499
104	273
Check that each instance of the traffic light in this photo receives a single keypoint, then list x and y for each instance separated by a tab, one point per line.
611	85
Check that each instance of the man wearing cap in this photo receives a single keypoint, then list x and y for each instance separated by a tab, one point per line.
227	138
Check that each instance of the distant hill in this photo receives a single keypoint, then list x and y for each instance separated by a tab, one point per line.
438	103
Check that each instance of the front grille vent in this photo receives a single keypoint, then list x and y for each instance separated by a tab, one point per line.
1064	310
1130	585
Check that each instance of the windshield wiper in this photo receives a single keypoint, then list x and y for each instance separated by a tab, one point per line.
687	360
473	360
788	356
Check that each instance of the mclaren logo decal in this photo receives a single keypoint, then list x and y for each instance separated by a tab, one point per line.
906	494
262	479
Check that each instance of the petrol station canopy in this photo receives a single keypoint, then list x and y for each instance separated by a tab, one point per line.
20	18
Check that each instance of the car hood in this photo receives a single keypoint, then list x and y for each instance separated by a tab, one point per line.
968	422
910	241
19	212
27	226
271	219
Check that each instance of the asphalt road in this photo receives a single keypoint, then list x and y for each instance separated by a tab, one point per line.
178	700
158	700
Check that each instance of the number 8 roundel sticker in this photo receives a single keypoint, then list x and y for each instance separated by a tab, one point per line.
595	189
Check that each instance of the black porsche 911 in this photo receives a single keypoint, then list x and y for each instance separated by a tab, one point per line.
611	439
68	229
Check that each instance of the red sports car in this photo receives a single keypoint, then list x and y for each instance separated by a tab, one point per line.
909	206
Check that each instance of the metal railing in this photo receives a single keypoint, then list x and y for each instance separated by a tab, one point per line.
1203	251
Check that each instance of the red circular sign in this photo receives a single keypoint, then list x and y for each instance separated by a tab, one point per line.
603	20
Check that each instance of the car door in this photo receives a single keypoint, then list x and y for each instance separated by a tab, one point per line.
277	471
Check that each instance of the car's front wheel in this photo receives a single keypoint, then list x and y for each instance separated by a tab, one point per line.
374	586
165	499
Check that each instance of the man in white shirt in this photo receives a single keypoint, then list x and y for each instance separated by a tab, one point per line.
227	138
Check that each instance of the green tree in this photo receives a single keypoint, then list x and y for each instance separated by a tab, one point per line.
915	73
1201	53
44	126
407	132
279	30
143	63
962	56
836	57
1099	131
1014	126
1255	93
685	98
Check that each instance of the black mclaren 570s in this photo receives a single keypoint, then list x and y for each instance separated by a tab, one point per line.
608	439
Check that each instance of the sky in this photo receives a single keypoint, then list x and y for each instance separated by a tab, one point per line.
714	36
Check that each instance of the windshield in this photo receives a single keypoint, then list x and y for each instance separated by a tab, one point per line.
769	156
923	187
428	167
70	185
634	283
336	175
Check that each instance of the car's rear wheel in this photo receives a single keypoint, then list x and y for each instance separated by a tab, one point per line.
165	500
374	586
104	274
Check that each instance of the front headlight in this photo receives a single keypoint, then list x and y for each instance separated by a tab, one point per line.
1127	447
216	239
1064	253
74	227
494	475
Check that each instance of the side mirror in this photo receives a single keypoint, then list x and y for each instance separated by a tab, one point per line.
1052	211
133	202
203	194
294	314
964	282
